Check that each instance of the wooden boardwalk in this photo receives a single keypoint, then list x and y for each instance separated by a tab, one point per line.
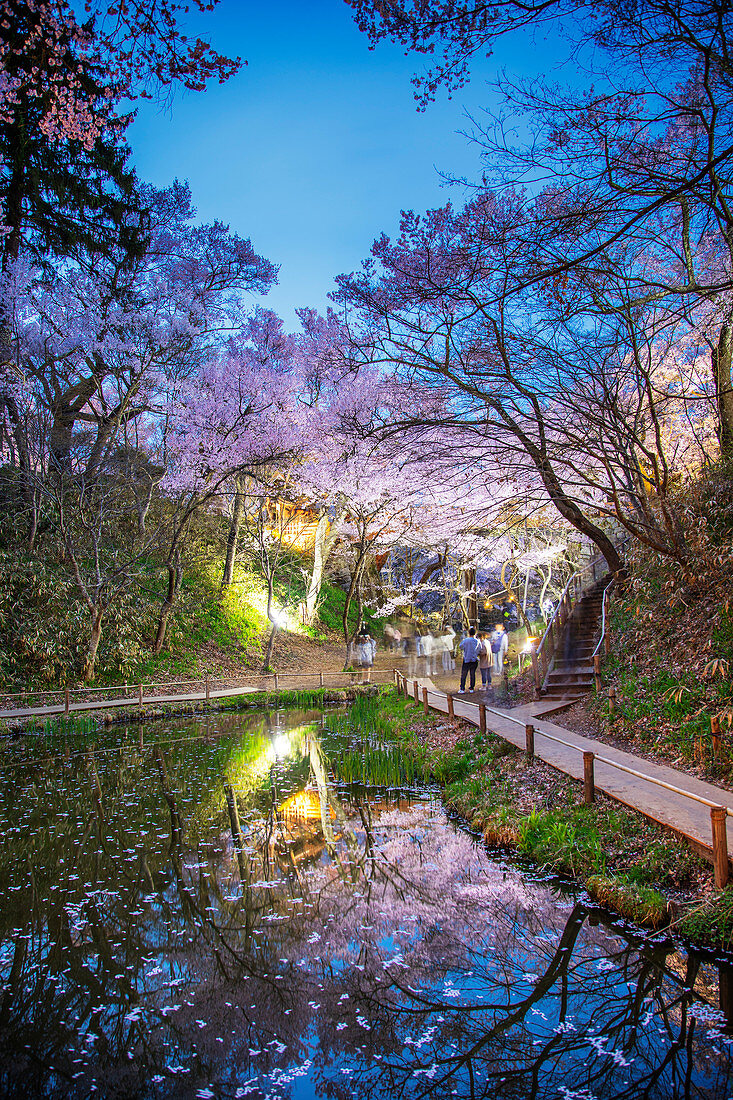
686	809
139	697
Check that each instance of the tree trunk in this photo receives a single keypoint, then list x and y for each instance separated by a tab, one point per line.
354	591
326	536
233	537
321	549
270	647
90	660
722	359
469	581
174	583
572	513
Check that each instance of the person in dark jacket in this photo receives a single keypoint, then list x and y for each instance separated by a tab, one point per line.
470	648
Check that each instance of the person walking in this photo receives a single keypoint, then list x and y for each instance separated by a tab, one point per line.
470	649
446	641
366	647
411	654
499	645
428	649
484	662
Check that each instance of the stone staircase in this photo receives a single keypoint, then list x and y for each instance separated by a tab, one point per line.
570	674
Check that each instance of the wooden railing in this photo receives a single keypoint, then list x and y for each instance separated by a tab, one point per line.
70	701
718	813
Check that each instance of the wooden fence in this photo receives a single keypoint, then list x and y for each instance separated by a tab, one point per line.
84	700
718	813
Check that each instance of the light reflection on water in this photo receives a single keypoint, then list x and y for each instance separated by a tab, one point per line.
211	915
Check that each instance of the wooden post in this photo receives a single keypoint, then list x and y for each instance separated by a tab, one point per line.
276	682
207	690
607	641
482	717
589	783
451	711
395	674
320	674
597	670
611	702
67	701
715	730
416	691
140	694
529	739
425	706
718	816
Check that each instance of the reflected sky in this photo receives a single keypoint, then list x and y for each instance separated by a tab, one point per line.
209	911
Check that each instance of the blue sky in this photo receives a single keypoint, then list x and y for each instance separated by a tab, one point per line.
315	147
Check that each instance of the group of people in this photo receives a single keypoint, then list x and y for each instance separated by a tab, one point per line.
424	651
484	652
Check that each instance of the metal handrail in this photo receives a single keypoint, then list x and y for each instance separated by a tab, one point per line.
555	613
574	577
603	620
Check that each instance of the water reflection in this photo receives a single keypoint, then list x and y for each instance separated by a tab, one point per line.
210	913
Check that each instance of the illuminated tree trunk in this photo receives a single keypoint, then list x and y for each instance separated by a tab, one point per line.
326	536
174	583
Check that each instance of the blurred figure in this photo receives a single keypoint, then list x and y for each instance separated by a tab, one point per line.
366	647
411	654
429	653
499	645
446	643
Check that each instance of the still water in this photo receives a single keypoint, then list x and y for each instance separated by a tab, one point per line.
227	909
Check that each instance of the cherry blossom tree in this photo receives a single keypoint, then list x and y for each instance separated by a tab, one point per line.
595	390
49	58
636	167
107	351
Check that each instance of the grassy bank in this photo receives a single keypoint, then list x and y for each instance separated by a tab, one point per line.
627	863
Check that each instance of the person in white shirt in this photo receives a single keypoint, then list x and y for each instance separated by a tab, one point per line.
499	642
446	642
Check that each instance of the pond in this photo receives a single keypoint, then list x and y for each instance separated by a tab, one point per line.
270	905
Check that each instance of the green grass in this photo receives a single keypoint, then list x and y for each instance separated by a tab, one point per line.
331	612
641	904
711	922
